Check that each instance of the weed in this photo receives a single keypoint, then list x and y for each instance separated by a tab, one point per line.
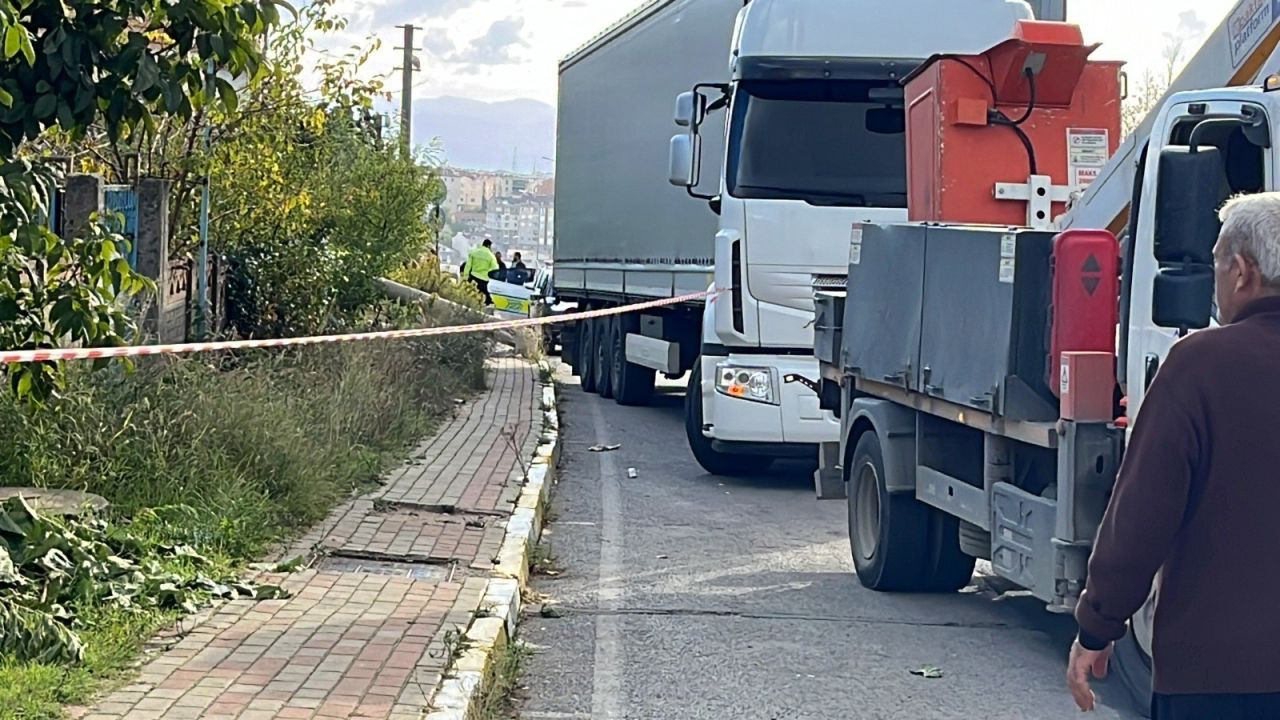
509	435
454	643
550	512
496	698
542	561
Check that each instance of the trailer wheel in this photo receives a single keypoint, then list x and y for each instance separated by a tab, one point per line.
632	384
587	355
711	460
899	544
603	332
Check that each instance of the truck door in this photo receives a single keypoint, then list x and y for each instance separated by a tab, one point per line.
1249	168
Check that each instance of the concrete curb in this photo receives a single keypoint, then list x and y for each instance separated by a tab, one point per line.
495	623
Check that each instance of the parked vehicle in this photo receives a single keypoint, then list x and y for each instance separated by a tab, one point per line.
984	376
791	137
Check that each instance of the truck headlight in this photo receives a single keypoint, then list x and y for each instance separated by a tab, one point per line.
746	383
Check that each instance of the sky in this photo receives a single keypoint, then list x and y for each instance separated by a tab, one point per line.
493	50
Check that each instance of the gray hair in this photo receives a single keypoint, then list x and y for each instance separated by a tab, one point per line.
1251	227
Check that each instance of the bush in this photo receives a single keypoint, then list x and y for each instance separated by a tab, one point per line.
258	444
427	275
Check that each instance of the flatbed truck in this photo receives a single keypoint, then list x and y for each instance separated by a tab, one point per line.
985	385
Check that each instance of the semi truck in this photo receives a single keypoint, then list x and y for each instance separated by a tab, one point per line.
985	372
790	133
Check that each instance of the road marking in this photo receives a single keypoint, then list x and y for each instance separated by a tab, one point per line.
606	686
549	715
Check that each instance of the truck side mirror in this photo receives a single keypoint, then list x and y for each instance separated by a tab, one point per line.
684	169
1191	191
1183	297
689	109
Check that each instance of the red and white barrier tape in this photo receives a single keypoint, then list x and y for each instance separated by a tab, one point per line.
10	357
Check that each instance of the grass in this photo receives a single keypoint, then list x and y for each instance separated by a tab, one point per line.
495	700
38	691
237	453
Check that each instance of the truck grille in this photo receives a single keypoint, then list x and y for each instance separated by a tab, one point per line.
824	283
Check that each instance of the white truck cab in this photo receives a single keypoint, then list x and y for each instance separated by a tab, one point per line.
1169	282
815	147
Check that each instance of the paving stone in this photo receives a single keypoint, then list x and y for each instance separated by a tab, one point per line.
339	683
469	464
364	634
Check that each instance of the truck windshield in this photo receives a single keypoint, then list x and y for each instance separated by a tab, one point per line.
810	140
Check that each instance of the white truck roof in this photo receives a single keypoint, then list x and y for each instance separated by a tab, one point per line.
1242	50
823	28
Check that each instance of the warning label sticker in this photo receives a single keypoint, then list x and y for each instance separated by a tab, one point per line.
855	245
1088	151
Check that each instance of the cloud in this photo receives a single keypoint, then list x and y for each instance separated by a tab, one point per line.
1190	25
399	12
496	46
436	42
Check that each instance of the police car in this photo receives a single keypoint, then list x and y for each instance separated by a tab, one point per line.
529	294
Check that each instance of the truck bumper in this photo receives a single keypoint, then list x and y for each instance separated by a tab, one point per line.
796	418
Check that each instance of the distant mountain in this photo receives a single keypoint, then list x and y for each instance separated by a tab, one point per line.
484	136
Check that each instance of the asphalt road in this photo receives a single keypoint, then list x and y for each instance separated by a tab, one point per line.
691	596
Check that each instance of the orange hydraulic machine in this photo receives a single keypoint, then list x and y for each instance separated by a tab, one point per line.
1006	137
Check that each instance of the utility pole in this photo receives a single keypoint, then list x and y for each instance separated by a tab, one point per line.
410	63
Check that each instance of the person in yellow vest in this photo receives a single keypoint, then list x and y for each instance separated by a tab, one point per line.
481	262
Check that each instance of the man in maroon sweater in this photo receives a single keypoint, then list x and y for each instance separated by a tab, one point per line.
1198	500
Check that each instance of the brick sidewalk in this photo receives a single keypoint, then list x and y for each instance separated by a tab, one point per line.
451	475
367	643
366	529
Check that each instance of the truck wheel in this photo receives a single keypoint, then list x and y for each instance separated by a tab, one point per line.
632	384
887	533
899	544
604	356
587	355
950	567
711	460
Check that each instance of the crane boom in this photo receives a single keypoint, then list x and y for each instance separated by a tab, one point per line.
1242	50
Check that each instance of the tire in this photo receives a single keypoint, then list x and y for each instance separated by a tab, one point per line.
604	356
711	460
587	355
951	568
898	543
632	384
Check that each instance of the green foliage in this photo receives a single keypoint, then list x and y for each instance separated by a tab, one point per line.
51	567
206	457
310	198
67	63
426	275
257	444
55	289
75	66
112	638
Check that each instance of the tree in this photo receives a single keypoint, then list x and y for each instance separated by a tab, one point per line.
1146	94
72	65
